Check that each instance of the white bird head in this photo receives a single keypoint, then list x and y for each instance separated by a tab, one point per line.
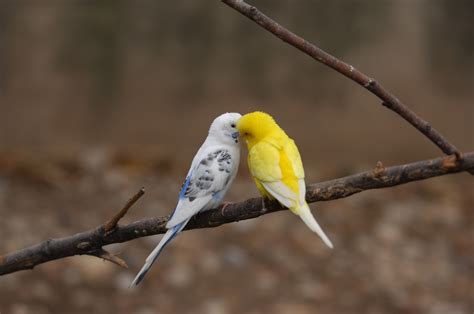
224	128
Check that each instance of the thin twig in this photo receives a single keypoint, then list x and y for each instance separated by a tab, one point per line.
388	99
105	255
92	241
112	223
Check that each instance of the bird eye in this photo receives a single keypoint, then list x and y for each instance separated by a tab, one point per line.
233	125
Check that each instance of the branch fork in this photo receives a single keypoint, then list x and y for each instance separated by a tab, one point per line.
111	224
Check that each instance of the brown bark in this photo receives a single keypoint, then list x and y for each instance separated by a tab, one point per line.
91	242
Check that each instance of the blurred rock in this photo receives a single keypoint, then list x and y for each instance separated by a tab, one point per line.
179	275
214	307
234	256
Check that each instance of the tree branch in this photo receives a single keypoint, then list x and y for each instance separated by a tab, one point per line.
91	242
110	225
388	99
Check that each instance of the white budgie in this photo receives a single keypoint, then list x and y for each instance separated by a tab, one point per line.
212	171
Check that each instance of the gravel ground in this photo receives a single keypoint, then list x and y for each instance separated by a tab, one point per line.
407	249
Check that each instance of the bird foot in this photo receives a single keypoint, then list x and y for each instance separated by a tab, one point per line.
223	207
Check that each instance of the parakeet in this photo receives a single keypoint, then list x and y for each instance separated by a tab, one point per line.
212	171
275	164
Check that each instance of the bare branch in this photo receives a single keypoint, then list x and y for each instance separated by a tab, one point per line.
91	242
388	99
105	255
112	223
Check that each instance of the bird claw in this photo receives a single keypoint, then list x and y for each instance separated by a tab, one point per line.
223	207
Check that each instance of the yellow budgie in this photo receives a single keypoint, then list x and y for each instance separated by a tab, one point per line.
275	164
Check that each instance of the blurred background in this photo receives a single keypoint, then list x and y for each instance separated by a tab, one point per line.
99	98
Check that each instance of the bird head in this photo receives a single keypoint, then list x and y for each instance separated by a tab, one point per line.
224	128
255	126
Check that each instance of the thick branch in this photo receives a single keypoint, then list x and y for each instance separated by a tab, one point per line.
91	242
388	99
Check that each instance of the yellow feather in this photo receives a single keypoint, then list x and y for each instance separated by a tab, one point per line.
288	176
275	164
264	162
273	155
262	190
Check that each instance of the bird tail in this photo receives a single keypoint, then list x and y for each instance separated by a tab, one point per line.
169	235
305	213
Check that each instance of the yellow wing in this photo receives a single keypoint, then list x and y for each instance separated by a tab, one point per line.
278	172
291	151
293	154
263	164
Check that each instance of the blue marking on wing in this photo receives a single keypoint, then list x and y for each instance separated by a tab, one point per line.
185	186
182	192
217	195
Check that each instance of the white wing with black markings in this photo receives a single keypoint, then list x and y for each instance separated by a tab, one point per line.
207	182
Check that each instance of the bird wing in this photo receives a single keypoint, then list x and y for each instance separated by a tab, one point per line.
294	157
280	171
208	177
291	150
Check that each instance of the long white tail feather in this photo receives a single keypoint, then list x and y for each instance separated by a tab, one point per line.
310	221
289	199
169	235
192	208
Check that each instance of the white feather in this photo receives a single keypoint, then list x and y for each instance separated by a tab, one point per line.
281	192
186	209
154	254
212	171
305	213
297	204
302	189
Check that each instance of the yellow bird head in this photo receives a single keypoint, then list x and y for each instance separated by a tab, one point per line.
256	126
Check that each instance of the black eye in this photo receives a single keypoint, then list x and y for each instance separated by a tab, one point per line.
232	125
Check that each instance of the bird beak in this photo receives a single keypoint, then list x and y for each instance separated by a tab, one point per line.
235	135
